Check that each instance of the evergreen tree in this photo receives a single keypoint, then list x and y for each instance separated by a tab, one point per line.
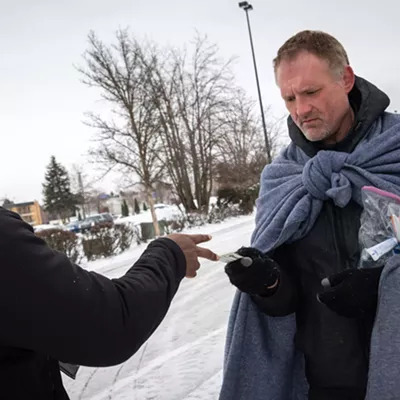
79	216
137	208
58	198
144	206
124	209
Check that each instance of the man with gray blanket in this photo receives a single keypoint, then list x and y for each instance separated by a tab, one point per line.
301	322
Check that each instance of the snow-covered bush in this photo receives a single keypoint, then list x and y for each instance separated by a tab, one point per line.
106	240
184	222
243	198
177	225
99	241
125	236
63	241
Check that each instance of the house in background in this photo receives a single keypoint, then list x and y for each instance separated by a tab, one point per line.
31	212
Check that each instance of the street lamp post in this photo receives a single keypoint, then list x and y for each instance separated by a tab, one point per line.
248	7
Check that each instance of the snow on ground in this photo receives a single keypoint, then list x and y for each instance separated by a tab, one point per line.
183	359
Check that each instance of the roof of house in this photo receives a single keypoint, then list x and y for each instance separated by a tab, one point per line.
14	205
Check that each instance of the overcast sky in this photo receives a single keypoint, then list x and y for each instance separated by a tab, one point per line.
42	100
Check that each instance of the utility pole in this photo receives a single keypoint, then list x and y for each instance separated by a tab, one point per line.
82	193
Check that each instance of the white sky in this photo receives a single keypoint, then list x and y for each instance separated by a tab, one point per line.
42	100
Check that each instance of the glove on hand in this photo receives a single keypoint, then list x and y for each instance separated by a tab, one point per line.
352	293
256	278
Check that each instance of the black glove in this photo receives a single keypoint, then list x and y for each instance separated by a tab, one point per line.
256	278
352	293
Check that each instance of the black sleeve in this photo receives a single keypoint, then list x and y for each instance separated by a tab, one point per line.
283	300
56	308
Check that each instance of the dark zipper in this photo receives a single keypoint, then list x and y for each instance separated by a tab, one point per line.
338	234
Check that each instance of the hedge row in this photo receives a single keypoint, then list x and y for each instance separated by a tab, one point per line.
107	240
101	241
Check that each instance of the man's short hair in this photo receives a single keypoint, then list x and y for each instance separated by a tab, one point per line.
318	43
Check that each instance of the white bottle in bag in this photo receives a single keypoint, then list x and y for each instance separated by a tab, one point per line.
380	249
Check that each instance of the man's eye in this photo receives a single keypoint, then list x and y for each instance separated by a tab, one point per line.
289	99
311	92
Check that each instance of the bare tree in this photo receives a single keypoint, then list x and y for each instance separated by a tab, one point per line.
190	93
129	141
174	156
173	115
240	156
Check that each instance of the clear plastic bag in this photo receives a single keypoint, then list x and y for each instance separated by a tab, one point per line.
379	233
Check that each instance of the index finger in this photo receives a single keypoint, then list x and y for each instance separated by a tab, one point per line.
199	238
206	253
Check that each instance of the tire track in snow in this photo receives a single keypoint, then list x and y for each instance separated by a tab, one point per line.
87	383
157	362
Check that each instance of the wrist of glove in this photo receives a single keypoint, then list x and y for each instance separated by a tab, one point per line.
352	293
260	278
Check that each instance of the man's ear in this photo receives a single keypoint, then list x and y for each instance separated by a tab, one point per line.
349	79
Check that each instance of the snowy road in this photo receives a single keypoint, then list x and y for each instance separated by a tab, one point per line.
183	359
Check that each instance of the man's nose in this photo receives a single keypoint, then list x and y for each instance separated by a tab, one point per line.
303	108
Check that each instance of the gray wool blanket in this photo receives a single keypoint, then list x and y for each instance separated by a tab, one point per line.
261	362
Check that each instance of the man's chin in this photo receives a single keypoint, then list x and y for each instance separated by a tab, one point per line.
314	136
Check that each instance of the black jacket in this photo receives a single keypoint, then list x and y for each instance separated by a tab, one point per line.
336	348
51	309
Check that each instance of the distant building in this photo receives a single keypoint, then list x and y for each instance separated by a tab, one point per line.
113	204
30	212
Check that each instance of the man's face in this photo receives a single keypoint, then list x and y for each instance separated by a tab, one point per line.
315	97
